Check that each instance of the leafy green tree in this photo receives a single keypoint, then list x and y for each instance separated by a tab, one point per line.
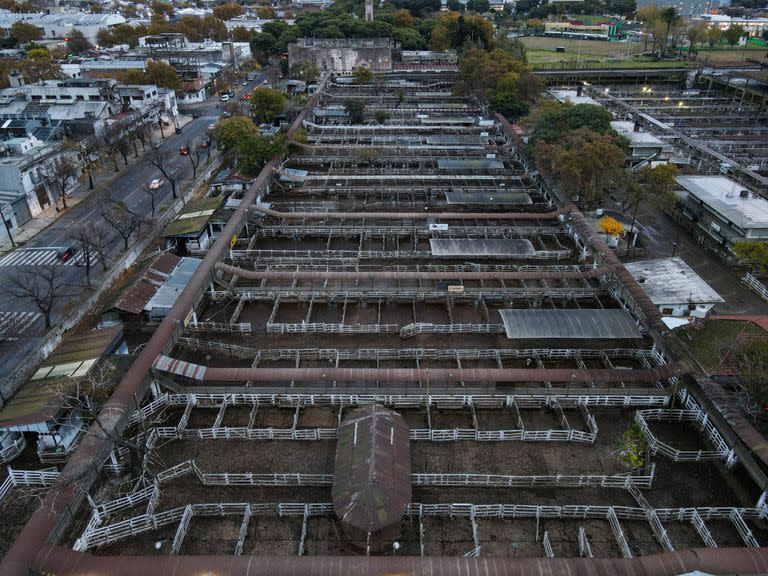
408	38
733	34
288	36
77	43
356	110
714	36
403	19
755	253
381	116
38	66
670	17
695	34
229	132
306	70
255	150
509	104
266	103
240	34
264	44
275	28
25	33
362	74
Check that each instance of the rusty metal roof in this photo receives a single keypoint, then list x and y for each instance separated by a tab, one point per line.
372	473
136	297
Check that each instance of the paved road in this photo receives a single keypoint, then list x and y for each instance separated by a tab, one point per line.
41	249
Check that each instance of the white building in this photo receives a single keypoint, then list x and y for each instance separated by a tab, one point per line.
57	26
674	287
752	26
642	145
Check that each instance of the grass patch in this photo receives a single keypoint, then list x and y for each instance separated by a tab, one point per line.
712	344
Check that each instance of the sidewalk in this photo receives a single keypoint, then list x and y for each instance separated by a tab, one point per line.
103	179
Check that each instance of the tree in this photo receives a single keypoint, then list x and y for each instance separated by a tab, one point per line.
91	240
610	226
123	146
733	34
306	71
362	74
479	6
695	34
77	43
509	104
659	184
355	110
195	155
256	150
403	19
108	138
266	12
153	193
42	286
39	66
670	17
87	151
586	163
25	33
162	74
229	132
266	103
264	45
60	171
162	9
121	220
381	116
408	38
714	36
241	34
157	158
228	11
755	253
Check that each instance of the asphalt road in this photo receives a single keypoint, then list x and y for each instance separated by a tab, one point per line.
125	187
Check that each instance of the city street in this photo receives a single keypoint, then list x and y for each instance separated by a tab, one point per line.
41	249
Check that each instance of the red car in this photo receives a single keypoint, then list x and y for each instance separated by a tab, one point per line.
183	151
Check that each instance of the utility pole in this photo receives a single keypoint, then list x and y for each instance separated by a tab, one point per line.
7	227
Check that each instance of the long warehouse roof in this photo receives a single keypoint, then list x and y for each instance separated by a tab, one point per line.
581	324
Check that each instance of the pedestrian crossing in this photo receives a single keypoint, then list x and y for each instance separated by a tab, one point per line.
210	117
42	257
13	324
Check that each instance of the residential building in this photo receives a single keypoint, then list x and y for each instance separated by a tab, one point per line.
752	26
60	25
720	210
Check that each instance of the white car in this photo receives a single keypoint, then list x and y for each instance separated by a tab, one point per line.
224	97
155	184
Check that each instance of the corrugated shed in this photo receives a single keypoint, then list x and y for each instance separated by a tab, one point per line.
137	296
372	472
513	247
592	324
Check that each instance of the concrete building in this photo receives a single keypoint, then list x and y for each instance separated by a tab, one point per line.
573	97
344	55
56	26
674	287
752	26
642	145
721	210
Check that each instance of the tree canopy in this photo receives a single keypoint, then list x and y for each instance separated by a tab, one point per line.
266	103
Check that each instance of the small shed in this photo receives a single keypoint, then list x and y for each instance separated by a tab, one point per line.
229	181
41	405
372	470
674	287
193	229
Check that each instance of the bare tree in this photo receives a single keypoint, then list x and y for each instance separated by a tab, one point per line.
42	286
157	159
108	139
121	220
153	193
60	171
195	155
87	151
142	134
91	239
123	145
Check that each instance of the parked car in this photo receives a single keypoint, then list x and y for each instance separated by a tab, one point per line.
224	97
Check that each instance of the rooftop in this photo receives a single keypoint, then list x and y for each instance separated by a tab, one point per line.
443	247
372	471
572	97
142	290
168	293
729	199
636	138
672	281
576	323
494	197
194	217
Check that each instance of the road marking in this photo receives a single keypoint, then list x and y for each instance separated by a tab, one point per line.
42	257
15	323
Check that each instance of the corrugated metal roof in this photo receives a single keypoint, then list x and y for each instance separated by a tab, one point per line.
481	247
672	281
372	471
293	176
194	217
581	324
137	296
165	296
487	197
470	164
